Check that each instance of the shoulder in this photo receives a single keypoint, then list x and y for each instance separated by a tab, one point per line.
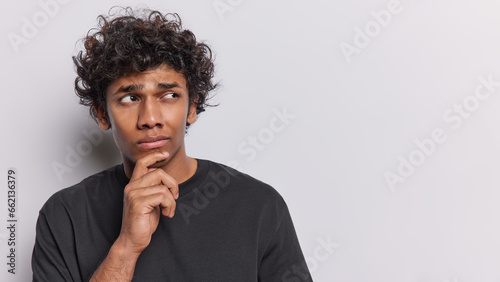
243	185
257	204
80	193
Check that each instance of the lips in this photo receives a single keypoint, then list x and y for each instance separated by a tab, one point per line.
152	142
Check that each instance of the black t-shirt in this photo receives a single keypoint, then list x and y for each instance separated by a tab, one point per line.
227	226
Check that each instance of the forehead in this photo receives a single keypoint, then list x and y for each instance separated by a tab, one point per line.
149	79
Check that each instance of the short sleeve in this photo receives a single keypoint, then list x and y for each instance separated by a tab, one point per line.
283	259
47	261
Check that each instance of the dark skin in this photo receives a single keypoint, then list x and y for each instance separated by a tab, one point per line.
147	113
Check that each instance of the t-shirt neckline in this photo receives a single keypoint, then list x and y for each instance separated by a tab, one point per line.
193	181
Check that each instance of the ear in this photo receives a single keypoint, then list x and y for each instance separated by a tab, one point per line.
102	118
191	118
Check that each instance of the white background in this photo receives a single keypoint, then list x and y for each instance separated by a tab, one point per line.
355	118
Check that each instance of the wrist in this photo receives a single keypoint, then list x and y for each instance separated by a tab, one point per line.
124	251
119	264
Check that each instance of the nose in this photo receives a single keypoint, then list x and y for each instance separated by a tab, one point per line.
150	115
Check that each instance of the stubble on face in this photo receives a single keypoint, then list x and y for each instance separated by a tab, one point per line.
151	104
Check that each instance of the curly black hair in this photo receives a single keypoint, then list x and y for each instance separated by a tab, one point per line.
134	41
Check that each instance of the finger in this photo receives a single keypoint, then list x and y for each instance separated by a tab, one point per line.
141	166
144	200
171	183
168	205
159	177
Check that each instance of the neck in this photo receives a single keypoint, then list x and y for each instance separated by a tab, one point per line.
181	169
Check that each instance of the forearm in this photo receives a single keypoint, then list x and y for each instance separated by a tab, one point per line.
119	265
148	194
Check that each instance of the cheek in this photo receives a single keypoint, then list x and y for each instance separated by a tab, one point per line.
124	118
120	137
121	124
176	118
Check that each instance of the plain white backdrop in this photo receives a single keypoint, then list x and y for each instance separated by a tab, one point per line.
389	151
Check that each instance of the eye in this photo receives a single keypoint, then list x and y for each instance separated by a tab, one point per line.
128	98
171	95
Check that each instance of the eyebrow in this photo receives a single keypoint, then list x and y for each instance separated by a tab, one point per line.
168	85
135	87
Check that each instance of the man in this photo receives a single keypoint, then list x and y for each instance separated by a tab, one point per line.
146	79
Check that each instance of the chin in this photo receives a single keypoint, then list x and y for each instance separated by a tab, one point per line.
159	164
